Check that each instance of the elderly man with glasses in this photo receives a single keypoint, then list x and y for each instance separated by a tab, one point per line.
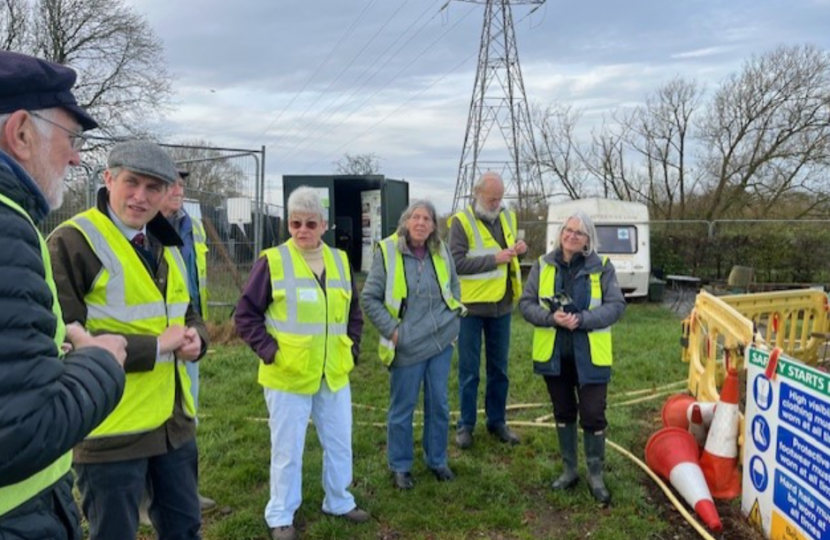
52	394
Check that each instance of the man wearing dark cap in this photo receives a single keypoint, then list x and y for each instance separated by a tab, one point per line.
118	268
194	251
50	399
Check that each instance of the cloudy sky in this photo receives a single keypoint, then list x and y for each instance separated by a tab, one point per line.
314	79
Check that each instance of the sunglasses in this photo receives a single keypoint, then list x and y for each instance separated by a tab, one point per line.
310	224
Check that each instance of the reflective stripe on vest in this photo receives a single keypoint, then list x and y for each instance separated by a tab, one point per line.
309	324
397	290
201	248
14	495
489	286
124	299
544	338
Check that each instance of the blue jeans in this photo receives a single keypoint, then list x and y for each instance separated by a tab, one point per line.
497	346
111	493
405	386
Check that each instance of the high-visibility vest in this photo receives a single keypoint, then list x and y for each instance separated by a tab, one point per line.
397	290
489	286
309	324
124	299
544	338
14	495
201	249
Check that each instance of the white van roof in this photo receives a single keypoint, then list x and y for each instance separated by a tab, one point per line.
600	210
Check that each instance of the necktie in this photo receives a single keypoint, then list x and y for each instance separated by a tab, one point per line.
138	240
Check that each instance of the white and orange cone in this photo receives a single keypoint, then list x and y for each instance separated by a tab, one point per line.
674	411
719	461
700	415
672	453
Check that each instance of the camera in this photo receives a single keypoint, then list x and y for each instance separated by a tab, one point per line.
560	301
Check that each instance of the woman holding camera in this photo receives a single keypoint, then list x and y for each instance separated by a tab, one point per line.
572	298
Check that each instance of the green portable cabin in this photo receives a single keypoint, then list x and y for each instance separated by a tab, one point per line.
349	226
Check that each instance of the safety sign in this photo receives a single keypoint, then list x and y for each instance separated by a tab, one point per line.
786	466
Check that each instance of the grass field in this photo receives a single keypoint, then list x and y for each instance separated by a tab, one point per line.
500	492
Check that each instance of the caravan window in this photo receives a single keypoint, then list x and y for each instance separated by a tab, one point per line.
617	238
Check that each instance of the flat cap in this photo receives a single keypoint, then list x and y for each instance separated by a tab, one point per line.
143	157
29	83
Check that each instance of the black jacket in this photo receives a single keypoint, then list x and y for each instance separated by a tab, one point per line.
47	404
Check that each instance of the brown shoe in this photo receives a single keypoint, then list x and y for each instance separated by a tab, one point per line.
286	532
355	515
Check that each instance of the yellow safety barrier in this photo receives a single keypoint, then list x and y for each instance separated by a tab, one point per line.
721	327
712	332
787	319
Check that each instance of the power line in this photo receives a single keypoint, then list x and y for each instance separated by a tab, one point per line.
377	68
379	122
323	63
349	64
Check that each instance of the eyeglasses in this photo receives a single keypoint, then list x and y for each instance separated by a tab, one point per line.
310	224
573	232
76	138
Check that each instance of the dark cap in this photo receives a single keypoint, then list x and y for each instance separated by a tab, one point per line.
183	173
143	157
29	83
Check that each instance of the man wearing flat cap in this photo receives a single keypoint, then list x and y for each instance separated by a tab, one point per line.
194	251
52	394
118	268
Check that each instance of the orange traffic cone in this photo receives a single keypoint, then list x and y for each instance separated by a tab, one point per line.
719	461
672	453
674	411
700	415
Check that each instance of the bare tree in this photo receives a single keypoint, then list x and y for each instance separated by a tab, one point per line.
559	152
212	172
122	79
358	164
768	132
660	131
13	25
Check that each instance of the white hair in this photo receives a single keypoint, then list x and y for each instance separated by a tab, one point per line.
586	225
305	200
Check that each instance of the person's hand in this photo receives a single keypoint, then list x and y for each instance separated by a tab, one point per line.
394	338
172	339
566	320
520	247
191	347
79	338
505	256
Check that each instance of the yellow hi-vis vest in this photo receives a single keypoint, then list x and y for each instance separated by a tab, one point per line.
310	325
14	495
397	290
489	286
544	338
201	249
124	299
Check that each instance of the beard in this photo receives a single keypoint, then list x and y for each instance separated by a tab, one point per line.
489	215
49	180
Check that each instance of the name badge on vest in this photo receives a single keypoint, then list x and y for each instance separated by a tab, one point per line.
308	295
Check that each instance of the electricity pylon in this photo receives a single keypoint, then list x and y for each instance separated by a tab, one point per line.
499	100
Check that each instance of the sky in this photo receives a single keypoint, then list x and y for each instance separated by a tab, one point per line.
314	79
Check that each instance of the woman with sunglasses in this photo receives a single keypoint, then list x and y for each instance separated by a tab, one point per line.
411	296
299	312
572	298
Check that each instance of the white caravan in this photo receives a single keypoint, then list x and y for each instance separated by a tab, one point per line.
623	235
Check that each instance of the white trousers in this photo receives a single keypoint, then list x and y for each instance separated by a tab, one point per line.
288	416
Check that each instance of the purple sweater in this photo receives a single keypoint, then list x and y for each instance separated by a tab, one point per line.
250	314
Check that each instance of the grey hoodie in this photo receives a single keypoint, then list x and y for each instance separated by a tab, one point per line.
428	326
